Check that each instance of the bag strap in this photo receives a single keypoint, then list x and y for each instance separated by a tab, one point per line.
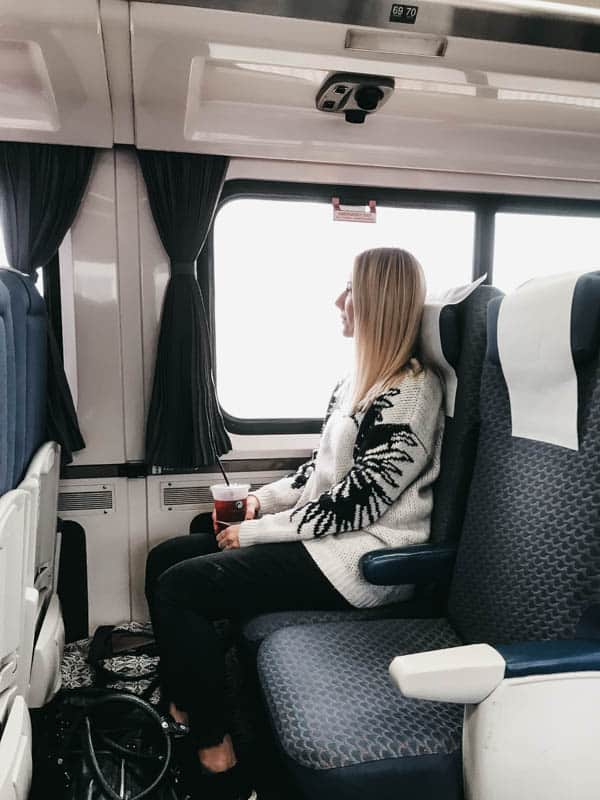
133	700
100	646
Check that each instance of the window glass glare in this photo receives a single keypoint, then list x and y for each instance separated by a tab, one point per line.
534	245
279	267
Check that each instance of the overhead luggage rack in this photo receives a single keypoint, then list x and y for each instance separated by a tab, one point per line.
570	28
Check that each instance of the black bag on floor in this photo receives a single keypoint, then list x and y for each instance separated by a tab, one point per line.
95	744
125	657
117	655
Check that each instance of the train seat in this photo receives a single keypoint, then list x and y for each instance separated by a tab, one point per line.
461	328
526	571
29	332
22	428
7	393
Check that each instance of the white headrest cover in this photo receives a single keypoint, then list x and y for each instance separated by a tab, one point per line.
430	339
534	347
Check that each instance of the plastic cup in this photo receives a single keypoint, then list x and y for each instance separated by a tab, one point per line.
230	503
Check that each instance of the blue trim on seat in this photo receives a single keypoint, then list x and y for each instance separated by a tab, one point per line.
546	658
5	451
8	393
418	563
28	313
426	776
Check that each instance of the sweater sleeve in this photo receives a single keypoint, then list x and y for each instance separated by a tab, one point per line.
391	452
285	492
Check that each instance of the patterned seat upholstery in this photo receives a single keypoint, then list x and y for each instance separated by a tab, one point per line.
468	327
343	668
527	569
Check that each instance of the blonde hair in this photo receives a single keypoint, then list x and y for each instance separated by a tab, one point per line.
388	293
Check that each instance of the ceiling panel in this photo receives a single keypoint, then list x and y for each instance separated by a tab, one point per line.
218	81
53	84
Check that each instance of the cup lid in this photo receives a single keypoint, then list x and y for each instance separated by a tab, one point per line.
235	491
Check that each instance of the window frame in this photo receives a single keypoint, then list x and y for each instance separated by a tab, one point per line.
484	206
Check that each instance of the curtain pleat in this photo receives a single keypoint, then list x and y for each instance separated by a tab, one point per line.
41	187
185	427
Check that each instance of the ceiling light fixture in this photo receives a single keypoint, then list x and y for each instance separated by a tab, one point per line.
556	99
396	43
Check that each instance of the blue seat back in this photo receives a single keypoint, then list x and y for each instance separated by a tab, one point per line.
461	432
528	566
28	314
7	393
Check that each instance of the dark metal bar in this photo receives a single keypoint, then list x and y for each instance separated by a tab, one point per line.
483	250
139	469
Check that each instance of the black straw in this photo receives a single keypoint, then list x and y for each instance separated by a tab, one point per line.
222	470
212	441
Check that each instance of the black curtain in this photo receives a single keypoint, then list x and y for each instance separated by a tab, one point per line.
184	428
41	187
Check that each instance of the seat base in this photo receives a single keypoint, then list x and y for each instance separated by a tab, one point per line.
419	778
344	729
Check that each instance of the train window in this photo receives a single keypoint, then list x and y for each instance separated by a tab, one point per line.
279	266
532	245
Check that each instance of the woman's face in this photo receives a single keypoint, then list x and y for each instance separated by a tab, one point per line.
346	306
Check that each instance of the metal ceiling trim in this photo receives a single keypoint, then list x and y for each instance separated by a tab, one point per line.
502	23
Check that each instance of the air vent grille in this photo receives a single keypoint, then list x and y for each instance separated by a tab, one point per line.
97	500
191	495
186	495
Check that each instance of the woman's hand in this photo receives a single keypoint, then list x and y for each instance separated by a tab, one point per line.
252	506
229	538
252	509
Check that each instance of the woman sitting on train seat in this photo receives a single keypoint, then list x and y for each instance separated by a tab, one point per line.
368	486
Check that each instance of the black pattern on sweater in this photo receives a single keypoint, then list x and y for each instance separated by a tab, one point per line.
363	496
303	472
373	415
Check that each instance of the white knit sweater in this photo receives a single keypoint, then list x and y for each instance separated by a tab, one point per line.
367	487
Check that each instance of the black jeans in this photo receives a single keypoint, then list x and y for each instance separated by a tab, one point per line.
190	583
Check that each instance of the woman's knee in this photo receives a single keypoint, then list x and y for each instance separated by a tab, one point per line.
174	551
161	558
194	584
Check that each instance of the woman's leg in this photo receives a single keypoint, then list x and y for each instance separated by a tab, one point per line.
269	577
171	552
161	558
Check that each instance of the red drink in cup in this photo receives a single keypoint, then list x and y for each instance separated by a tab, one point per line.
230	503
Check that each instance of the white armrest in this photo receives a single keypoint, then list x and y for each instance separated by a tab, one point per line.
455	675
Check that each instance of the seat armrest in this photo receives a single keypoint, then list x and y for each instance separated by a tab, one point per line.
546	658
454	675
470	673
418	563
